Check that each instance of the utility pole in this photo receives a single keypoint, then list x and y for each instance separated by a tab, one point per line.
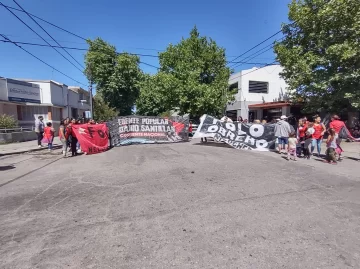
91	100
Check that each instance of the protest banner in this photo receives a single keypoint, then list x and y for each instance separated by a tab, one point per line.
93	138
148	130
238	135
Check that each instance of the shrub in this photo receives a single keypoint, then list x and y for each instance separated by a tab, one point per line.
7	121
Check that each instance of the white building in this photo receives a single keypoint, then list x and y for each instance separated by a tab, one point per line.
79	102
26	99
261	93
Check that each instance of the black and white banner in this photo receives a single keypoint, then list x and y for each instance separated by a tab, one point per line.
238	135
148	130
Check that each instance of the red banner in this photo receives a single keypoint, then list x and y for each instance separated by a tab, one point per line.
93	138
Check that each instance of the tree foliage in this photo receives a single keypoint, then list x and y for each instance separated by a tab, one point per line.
157	94
193	78
102	111
116	76
321	53
8	121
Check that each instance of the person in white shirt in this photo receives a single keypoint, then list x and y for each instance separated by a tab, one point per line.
39	129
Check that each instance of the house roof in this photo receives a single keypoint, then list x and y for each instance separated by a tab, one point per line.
77	89
39	80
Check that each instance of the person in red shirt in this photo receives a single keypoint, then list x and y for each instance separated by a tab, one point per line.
317	136
338	125
71	137
302	128
48	135
190	129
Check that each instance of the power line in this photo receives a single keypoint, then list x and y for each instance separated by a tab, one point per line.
48	34
74	48
237	65
150	65
67	31
258	53
273	63
256	45
41	37
42	60
274	35
137	54
45	45
13	8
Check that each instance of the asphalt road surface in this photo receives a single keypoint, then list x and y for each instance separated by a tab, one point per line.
178	206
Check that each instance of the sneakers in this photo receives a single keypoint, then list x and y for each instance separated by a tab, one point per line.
39	146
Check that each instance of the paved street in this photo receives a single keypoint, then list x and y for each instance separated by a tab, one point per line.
180	205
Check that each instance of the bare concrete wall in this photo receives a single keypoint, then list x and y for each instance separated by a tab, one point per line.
17	137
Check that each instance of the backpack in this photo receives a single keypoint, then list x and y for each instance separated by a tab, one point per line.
343	134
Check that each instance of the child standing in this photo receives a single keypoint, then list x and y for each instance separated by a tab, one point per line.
292	146
48	135
331	147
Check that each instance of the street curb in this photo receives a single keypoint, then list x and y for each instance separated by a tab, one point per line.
29	150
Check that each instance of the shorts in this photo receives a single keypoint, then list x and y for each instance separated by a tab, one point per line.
283	140
292	151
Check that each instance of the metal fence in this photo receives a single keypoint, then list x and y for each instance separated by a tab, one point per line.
17	129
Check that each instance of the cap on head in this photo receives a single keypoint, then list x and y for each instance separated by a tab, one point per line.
283	117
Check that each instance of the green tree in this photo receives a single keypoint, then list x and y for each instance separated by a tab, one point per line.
157	94
193	78
116	76
321	53
102	111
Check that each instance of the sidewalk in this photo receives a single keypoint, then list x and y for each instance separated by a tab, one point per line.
28	146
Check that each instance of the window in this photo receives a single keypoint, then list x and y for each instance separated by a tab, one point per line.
74	113
56	114
30	113
234	86
258	87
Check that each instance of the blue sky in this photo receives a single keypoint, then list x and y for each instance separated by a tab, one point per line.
144	27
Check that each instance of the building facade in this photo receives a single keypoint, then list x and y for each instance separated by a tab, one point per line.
261	93
27	99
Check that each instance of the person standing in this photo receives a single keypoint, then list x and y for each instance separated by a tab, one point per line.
190	129
62	138
282	130
39	130
318	135
71	136
331	147
302	128
48	135
339	126
292	141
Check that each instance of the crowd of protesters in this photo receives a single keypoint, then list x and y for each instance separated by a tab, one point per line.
303	138
309	136
46	134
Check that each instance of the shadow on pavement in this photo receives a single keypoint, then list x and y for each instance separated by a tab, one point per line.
352	158
319	160
6	167
213	144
